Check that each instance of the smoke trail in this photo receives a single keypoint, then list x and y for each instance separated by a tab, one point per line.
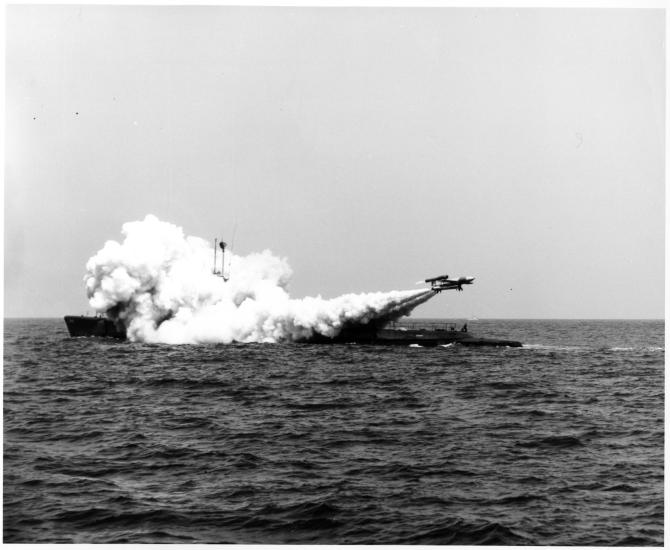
160	283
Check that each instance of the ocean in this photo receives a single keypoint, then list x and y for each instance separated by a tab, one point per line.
556	443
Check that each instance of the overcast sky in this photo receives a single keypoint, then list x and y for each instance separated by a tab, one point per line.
372	147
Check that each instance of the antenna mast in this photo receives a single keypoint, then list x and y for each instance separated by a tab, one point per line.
214	268
222	246
223	252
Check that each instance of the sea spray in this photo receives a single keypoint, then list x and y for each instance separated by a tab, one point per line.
159	282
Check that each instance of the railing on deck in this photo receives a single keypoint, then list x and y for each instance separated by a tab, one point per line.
423	325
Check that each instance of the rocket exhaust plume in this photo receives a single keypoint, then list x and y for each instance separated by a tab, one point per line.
160	283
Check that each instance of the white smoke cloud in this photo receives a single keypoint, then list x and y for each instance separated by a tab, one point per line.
160	283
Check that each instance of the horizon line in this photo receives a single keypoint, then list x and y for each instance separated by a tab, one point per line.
445	318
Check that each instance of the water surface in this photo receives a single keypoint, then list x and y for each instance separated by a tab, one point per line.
558	442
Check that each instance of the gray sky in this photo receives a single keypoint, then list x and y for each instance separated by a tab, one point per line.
372	147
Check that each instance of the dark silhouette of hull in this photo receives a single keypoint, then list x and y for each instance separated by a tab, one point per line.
94	326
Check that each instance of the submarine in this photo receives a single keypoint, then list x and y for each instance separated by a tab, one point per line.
381	331
372	333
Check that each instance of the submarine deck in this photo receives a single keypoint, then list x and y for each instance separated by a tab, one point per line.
365	334
407	337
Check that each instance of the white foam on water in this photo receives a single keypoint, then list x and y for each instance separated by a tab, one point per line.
553	347
645	348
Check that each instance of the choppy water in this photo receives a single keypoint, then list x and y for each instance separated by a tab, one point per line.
559	442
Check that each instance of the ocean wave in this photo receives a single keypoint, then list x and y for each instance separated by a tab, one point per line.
461	532
507	385
103	517
292	517
518	499
634	541
322	406
553	441
621	488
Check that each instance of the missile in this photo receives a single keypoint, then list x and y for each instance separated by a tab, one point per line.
438	278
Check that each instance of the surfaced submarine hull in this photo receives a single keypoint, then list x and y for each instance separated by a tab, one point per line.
407	337
360	334
94	326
